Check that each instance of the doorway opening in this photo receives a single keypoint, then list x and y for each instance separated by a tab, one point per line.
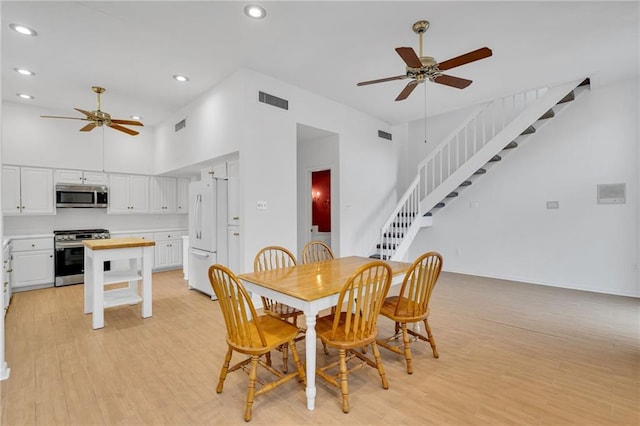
321	206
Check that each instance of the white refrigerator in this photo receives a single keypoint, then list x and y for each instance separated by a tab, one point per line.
207	231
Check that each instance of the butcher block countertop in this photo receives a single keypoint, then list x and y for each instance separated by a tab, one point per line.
116	243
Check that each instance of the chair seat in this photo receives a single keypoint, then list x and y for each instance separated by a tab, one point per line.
404	310
276	332
324	326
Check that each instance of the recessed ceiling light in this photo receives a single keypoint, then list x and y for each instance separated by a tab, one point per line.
23	71
23	30
254	11
181	78
136	117
24	96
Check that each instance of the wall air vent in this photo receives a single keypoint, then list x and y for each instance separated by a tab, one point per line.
384	135
612	193
275	101
180	124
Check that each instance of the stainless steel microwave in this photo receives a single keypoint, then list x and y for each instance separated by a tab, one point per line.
81	196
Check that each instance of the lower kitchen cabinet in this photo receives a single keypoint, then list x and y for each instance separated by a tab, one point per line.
32	264
168	250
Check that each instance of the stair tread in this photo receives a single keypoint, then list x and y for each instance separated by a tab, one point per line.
511	145
465	183
568	98
480	172
528	130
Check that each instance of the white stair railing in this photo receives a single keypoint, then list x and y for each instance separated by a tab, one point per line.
481	130
403	217
471	136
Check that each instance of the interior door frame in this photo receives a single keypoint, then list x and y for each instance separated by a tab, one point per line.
308	209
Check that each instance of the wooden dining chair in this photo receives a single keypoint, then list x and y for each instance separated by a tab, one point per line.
316	251
353	326
250	334
412	305
276	257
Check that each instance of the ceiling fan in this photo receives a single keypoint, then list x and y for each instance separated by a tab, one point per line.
421	68
99	118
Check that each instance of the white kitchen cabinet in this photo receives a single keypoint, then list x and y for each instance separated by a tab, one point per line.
168	250
128	194
217	171
80	177
182	206
6	276
233	242
163	195
10	190
32	263
27	191
233	209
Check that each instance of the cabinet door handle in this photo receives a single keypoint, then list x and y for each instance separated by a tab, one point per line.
236	218
236	234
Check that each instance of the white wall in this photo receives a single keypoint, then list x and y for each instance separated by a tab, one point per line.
29	140
510	234
266	138
316	154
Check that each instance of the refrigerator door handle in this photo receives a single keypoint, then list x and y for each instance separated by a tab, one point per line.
199	253
198	215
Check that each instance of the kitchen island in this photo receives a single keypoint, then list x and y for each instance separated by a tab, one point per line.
95	278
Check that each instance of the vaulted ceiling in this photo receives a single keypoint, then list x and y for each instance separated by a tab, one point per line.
133	49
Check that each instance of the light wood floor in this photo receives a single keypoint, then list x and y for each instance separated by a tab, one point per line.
510	353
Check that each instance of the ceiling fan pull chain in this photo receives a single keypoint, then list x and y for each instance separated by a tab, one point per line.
425	113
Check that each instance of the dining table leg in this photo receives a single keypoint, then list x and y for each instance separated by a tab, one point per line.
310	345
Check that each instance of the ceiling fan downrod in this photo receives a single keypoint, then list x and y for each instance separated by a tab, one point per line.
98	90
419	28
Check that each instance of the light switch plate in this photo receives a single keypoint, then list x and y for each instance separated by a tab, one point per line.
553	205
262	205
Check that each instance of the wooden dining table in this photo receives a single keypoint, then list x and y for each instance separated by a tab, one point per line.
311	288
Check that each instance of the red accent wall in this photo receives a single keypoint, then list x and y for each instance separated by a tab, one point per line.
321	200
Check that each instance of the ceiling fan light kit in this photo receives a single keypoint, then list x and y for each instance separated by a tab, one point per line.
99	118
421	68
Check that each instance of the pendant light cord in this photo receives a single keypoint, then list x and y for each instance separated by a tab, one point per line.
425	113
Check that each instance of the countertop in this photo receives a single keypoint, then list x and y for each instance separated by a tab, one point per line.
116	243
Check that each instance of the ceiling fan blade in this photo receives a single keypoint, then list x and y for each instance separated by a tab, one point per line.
475	55
67	118
449	80
407	90
409	57
88	127
122	129
87	113
127	122
382	80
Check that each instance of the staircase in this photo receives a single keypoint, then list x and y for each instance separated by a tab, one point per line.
470	151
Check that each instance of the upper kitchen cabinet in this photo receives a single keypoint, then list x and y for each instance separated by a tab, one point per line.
163	195
79	177
233	210
27	191
128	194
217	171
182	206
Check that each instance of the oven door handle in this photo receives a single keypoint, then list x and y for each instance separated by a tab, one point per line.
69	244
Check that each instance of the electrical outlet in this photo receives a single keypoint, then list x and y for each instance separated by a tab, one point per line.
262	205
553	205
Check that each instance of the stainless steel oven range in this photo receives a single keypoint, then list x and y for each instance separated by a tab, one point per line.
69	261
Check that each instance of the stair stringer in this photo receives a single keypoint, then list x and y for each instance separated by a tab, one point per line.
510	132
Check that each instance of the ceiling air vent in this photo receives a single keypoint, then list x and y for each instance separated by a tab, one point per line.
180	124
275	101
384	135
